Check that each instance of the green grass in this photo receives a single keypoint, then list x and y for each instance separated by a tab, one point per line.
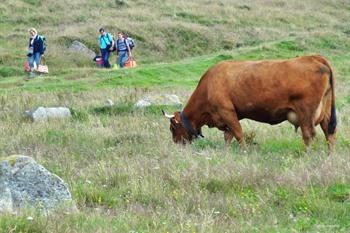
130	176
119	162
185	73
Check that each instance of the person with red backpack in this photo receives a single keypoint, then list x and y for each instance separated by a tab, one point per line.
123	50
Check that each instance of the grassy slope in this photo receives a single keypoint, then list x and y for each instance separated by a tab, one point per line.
183	28
130	177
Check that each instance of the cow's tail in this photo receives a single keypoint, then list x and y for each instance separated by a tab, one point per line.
332	125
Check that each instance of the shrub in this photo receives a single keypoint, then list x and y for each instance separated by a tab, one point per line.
339	192
8	71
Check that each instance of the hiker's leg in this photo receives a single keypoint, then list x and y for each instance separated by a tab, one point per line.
125	58
121	61
31	61
103	56
120	56
37	58
107	59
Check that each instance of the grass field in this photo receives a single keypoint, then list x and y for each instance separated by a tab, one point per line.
123	170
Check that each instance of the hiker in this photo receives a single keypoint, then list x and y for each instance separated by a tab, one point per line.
129	40
106	44
35	49
123	50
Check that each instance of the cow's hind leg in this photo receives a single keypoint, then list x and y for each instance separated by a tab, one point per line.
329	137
329	125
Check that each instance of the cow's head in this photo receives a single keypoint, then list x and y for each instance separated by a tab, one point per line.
177	128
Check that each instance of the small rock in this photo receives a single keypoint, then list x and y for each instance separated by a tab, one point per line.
143	103
109	103
161	99
44	114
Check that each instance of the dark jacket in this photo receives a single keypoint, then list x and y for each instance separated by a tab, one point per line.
38	45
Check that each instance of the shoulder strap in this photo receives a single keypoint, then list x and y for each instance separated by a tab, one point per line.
39	38
109	37
103	38
127	45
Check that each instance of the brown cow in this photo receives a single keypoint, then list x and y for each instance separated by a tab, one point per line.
300	90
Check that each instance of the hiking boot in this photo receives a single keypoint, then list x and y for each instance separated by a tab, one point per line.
32	74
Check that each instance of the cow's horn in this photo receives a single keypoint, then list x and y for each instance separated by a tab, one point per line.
167	115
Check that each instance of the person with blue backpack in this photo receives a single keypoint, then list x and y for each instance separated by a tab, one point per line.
36	49
123	50
106	44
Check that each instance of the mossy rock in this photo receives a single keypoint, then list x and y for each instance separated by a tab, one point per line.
10	159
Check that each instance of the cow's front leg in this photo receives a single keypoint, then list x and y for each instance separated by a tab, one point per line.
233	128
228	135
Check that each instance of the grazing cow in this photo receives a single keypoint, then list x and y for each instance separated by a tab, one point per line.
300	90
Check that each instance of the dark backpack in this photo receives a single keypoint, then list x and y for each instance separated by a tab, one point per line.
44	42
131	43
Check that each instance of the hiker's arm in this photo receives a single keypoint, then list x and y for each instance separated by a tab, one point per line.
112	46
129	50
111	40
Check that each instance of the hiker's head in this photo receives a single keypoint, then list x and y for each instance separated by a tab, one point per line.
126	35
120	34
32	31
102	31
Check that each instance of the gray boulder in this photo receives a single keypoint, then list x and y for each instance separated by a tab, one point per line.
26	184
79	47
44	114
160	99
5	197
